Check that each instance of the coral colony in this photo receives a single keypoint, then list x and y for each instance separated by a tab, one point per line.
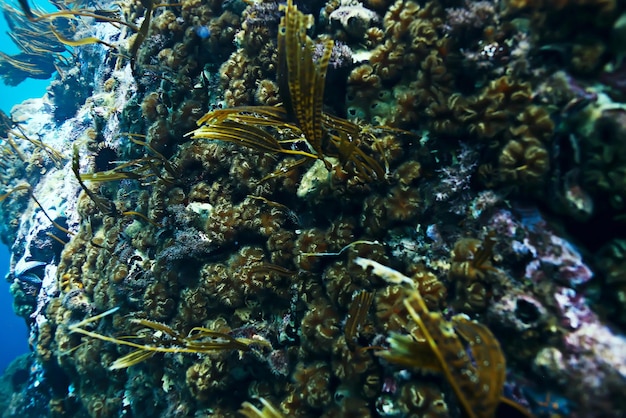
386	208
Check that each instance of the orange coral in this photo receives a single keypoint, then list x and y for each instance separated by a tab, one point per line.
364	77
524	162
281	246
207	376
433	291
469	271
217	277
424	400
313	386
320	326
150	106
310	241
402	203
534	122
491	112
387	60
399	17
408	172
373	36
390	310
409	63
267	93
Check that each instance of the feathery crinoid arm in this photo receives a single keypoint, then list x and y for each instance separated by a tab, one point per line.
476	373
302	76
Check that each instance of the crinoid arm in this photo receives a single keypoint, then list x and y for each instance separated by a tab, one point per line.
262	128
464	351
269	411
154	337
299	126
304	77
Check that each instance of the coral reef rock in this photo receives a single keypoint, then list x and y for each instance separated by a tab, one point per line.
386	208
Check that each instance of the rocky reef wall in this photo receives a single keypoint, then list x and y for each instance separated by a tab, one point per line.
310	207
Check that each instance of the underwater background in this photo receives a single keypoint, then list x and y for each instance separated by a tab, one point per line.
16	336
315	208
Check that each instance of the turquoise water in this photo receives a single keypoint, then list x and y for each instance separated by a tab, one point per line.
15	336
10	96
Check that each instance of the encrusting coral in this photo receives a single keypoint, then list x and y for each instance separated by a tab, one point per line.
233	167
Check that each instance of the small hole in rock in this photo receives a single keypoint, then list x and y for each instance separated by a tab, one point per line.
526	312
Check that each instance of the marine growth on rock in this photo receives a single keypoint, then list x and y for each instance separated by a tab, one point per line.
377	208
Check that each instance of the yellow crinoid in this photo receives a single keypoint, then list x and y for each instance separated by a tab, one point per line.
299	126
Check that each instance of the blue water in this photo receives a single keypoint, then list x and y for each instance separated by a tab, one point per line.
14	332
9	96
